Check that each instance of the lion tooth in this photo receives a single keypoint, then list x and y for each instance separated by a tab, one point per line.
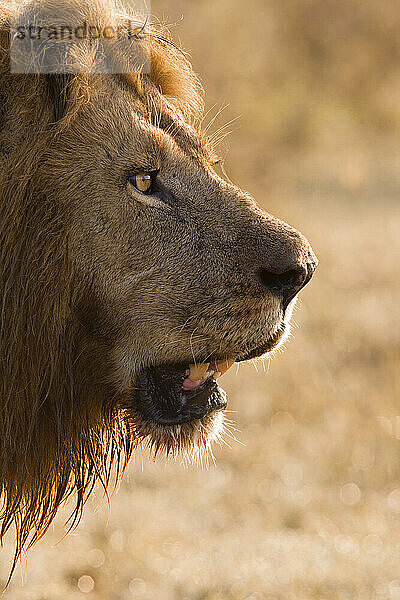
224	365
197	372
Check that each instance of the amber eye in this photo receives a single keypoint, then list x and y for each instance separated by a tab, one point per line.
143	182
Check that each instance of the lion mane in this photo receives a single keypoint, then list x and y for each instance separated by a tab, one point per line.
51	446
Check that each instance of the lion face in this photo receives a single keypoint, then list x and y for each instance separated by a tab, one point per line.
177	267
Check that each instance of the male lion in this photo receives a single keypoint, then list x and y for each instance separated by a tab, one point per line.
132	275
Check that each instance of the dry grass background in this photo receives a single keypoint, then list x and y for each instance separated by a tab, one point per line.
309	506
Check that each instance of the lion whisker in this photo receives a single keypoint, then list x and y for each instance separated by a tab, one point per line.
212	121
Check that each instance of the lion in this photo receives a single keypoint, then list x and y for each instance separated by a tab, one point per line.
132	274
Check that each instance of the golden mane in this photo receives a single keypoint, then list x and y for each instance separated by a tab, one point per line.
51	446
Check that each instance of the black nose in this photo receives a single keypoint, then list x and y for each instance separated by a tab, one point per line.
287	284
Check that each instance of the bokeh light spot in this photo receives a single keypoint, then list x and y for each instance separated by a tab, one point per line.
86	584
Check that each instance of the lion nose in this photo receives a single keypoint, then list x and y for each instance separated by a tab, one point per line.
288	283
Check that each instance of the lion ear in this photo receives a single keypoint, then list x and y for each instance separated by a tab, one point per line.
172	73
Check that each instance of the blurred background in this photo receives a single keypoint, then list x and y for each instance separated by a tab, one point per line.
307	505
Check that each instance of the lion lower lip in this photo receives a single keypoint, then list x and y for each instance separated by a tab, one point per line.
162	400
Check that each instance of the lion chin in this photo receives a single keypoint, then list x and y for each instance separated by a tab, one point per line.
178	409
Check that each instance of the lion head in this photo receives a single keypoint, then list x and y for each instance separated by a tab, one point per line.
132	275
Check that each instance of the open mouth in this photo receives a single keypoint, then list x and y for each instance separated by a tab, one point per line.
175	394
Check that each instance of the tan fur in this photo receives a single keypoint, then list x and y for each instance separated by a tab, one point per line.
97	282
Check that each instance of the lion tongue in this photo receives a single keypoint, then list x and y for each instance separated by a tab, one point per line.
197	374
188	384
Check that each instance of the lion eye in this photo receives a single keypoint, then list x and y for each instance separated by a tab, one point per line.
143	182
